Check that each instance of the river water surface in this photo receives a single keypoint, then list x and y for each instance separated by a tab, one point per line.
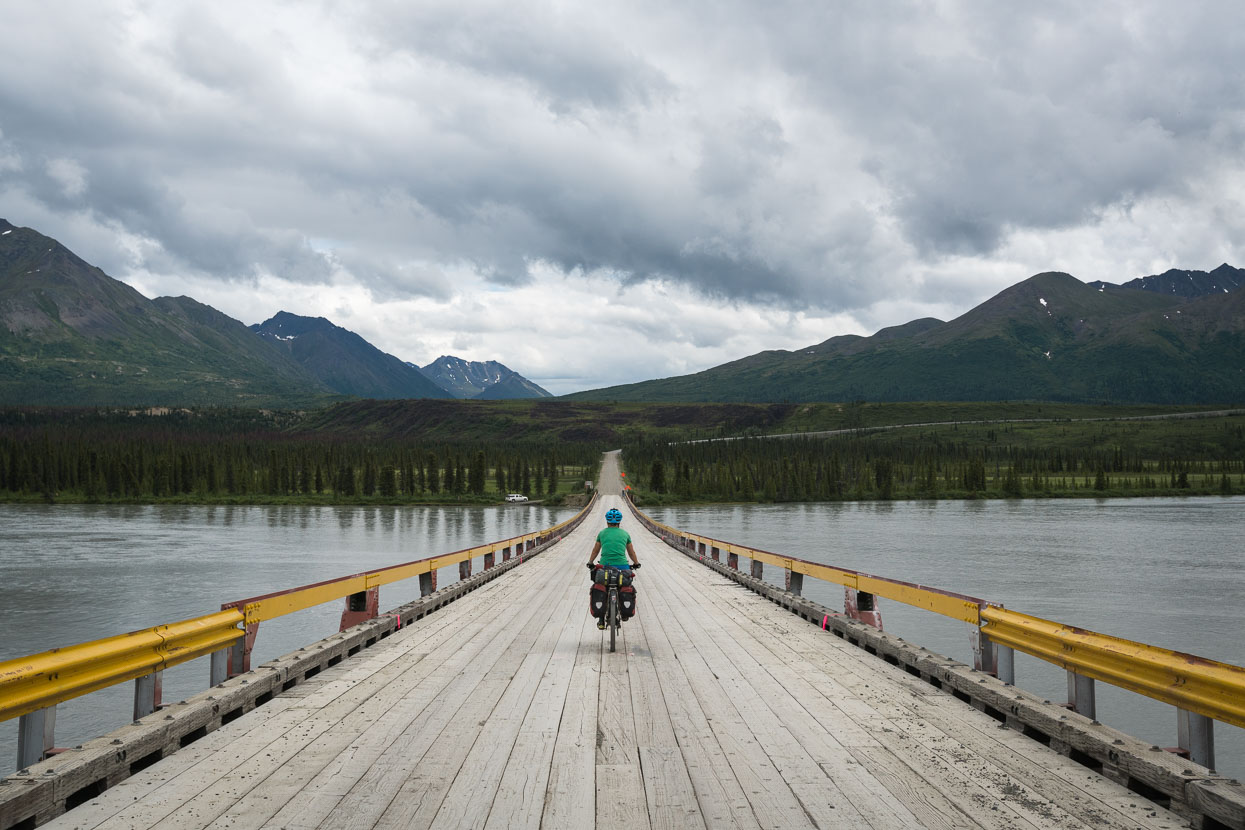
1164	571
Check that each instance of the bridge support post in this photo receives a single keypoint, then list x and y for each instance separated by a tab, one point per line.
715	553
360	607
1197	737
1081	695
1005	658
220	667
795	582
489	560
758	569
732	560
240	652
862	606
464	569
35	736
985	653
148	690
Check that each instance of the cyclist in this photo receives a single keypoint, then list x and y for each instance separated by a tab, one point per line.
614	546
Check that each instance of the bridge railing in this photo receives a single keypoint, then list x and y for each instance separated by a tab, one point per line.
1202	690
32	686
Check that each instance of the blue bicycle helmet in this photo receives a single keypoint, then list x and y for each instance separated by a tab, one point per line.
613	516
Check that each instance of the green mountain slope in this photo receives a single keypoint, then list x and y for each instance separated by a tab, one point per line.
344	361
1050	337
70	334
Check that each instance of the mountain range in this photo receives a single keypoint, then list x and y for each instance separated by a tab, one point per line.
70	334
1177	337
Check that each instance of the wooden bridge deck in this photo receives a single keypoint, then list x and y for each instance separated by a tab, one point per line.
505	709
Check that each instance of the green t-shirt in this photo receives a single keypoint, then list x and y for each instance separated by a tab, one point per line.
614	541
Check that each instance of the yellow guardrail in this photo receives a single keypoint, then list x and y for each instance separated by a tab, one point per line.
38	681
42	680
1207	687
946	603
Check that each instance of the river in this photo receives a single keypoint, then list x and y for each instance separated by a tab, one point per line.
1164	571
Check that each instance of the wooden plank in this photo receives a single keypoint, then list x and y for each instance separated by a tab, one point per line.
311	782
932	809
521	798
671	799
535	696
722	800
409	793
616	739
620	798
828	781
570	796
672	804
773	803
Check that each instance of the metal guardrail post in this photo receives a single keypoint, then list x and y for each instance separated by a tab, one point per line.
714	553
758	569
1005	660
240	652
505	554
732	560
360	607
35	736
795	582
428	582
1196	735
1081	695
489	560
464	569
985	651
862	606
220	667
148	690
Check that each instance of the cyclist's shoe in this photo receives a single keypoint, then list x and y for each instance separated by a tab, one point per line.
601	624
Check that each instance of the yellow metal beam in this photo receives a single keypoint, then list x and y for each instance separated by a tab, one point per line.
42	680
1208	687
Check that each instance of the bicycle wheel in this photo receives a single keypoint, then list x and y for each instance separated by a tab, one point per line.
612	611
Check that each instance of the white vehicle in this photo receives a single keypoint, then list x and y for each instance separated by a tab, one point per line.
516	497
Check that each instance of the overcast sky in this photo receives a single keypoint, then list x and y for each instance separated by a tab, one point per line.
598	193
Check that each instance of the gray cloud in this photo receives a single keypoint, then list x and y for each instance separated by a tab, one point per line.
832	157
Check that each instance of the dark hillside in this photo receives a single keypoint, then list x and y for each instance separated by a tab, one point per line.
1050	337
343	361
70	334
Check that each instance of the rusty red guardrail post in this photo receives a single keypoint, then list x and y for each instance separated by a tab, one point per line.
361	607
862	606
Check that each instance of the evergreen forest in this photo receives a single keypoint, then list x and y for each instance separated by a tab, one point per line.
239	456
1105	458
